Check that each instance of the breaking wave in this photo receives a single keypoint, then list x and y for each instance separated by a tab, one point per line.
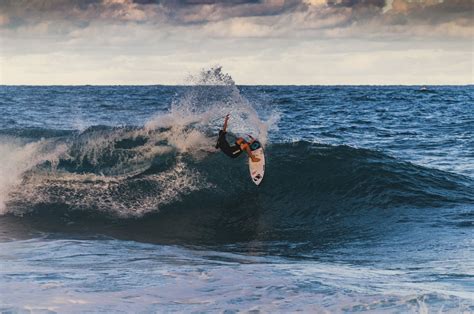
167	174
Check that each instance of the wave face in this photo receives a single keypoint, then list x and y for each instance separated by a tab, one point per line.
136	176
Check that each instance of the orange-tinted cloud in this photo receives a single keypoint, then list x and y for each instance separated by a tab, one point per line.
256	17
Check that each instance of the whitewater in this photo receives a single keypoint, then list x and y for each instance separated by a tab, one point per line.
114	199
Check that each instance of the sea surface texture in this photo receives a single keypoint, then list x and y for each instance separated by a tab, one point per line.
114	199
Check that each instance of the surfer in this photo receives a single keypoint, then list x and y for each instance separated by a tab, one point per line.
240	144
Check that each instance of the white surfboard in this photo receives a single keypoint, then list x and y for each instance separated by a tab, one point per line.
257	169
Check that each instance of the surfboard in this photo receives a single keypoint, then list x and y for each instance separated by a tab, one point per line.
257	169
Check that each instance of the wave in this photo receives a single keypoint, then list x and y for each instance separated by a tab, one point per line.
141	181
131	172
113	169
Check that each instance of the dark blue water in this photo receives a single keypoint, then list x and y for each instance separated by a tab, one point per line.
114	199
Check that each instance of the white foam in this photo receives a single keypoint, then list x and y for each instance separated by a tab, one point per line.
200	111
16	158
188	128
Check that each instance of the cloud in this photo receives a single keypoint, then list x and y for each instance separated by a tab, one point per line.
319	62
248	18
185	11
145	41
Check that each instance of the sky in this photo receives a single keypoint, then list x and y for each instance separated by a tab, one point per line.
320	42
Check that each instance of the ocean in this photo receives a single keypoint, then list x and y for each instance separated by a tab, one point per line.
114	199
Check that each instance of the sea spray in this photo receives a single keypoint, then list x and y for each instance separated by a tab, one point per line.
203	107
17	158
102	167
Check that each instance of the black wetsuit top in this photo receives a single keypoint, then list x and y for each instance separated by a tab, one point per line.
231	151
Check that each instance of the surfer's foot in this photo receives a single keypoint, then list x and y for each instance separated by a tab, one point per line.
255	159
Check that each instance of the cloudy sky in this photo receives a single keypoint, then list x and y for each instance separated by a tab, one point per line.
257	41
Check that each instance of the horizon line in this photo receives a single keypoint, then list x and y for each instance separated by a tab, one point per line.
243	85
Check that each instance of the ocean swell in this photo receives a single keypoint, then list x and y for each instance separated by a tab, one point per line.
129	172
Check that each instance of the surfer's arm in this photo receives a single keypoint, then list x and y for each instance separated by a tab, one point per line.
224	127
